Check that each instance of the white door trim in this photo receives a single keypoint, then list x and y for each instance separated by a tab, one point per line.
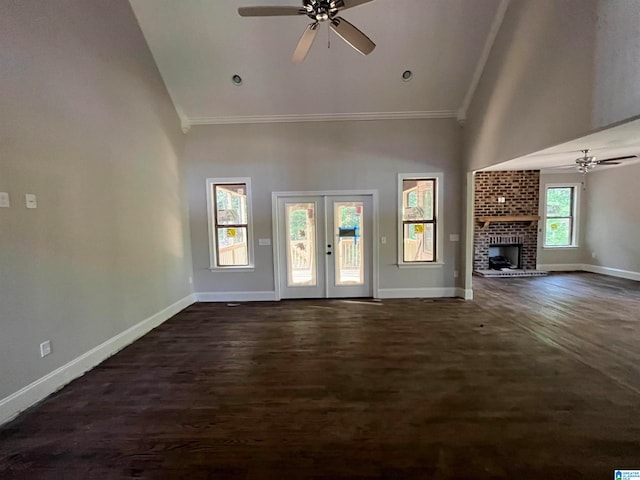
323	193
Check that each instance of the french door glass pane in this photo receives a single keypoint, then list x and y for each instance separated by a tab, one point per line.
558	232
232	246
418	242
348	225
300	221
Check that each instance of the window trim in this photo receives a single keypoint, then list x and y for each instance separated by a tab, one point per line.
575	217
437	220
212	222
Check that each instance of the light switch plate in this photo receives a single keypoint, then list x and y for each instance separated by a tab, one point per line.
264	241
454	237
45	348
4	200
383	240
31	200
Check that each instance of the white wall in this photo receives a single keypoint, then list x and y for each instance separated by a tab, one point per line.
85	124
323	156
612	230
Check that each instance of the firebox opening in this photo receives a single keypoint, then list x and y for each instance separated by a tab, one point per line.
504	256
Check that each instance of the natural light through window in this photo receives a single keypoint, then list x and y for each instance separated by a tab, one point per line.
560	215
418	219
229	222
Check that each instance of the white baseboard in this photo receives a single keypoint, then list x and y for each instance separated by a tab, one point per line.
585	267
19	401
466	293
614	272
561	267
419	292
236	296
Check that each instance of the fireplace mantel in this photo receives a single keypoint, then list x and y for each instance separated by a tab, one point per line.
486	221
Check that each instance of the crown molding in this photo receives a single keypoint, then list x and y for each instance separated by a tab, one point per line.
320	117
482	61
184	120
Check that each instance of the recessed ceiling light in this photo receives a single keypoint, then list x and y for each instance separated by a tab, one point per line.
407	75
237	80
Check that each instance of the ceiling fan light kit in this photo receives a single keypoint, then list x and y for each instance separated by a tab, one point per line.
319	11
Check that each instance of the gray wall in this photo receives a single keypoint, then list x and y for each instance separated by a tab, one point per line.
617	96
323	156
563	256
536	90
85	124
561	69
612	230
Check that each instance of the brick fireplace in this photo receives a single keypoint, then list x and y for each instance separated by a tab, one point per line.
506	194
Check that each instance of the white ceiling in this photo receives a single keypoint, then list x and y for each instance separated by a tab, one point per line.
616	141
199	45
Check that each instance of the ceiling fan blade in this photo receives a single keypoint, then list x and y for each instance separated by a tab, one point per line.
573	165
304	45
352	36
610	161
344	4
270	11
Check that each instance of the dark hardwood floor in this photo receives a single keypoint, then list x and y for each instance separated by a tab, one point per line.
538	378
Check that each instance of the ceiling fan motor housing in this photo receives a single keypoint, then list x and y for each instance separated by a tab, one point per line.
320	10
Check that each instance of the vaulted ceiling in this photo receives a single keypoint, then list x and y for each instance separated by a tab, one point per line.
199	45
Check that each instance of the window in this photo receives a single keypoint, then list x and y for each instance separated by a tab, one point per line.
230	236
560	226
419	205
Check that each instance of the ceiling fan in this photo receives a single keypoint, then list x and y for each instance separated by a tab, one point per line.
586	163
319	11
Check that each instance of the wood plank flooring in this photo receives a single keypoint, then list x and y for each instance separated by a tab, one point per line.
538	378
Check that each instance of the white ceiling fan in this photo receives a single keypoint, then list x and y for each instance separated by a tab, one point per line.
319	11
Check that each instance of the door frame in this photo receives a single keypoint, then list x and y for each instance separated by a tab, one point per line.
323	193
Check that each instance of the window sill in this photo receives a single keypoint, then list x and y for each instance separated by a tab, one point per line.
249	268
421	265
560	247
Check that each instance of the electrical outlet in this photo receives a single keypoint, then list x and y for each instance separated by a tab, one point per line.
455	274
501	200
4	200
190	280
45	348
594	255
383	240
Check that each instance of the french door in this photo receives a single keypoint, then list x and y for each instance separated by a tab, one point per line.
324	246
